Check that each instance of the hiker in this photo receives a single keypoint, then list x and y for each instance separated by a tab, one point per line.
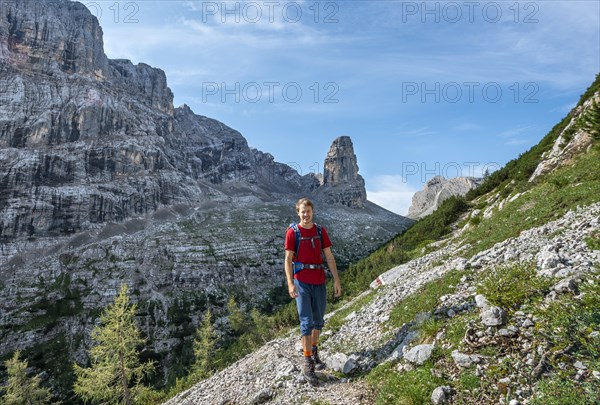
304	243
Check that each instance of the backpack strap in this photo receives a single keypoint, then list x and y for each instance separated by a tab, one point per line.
298	237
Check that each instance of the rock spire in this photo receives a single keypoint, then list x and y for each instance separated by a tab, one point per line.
341	182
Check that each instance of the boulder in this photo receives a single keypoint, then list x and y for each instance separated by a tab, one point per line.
493	316
419	354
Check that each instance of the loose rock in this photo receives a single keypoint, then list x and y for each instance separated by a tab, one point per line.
419	354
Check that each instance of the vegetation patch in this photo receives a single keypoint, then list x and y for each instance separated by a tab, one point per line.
404	388
556	391
425	299
593	242
409	245
561	191
567	326
512	286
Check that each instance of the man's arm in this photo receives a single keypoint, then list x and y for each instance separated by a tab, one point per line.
337	286
289	273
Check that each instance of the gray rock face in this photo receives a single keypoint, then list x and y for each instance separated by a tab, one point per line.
566	147
86	140
51	35
482	302
437	190
341	182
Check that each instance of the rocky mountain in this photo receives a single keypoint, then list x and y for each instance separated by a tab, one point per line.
436	190
104	181
341	182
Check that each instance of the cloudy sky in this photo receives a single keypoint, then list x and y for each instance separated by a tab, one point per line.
422	88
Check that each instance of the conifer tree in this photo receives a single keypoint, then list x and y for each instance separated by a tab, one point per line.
23	390
238	321
205	348
262	326
590	120
115	374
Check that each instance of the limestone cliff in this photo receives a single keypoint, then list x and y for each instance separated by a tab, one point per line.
436	190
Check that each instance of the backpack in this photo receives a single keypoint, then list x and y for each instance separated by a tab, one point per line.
297	265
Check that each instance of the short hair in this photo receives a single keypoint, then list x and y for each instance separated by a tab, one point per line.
304	201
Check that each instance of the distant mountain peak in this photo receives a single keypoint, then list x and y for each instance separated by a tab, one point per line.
436	190
341	182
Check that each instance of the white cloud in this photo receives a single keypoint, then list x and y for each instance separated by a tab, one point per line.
520	135
468	126
416	133
391	192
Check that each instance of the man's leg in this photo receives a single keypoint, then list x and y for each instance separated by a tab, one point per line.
307	343
303	303
315	336
319	365
318	306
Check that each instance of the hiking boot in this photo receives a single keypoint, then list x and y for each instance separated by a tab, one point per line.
319	365
308	371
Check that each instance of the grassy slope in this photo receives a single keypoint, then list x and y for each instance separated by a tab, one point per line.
519	287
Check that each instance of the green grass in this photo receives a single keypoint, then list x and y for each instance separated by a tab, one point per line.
425	299
406	388
457	327
561	191
405	247
468	381
568	322
593	242
555	391
512	286
429	329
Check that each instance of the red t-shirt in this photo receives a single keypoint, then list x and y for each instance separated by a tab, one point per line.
307	254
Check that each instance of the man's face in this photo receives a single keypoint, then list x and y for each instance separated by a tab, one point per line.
306	215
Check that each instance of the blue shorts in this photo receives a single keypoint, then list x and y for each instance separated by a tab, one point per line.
311	306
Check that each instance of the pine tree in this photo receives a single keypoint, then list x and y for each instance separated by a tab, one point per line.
590	120
262	327
23	390
205	348
116	373
238	321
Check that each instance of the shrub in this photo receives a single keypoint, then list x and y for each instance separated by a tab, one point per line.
510	287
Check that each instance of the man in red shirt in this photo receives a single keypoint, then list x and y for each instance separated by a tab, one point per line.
306	281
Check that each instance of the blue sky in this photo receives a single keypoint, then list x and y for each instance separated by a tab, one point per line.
422	88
